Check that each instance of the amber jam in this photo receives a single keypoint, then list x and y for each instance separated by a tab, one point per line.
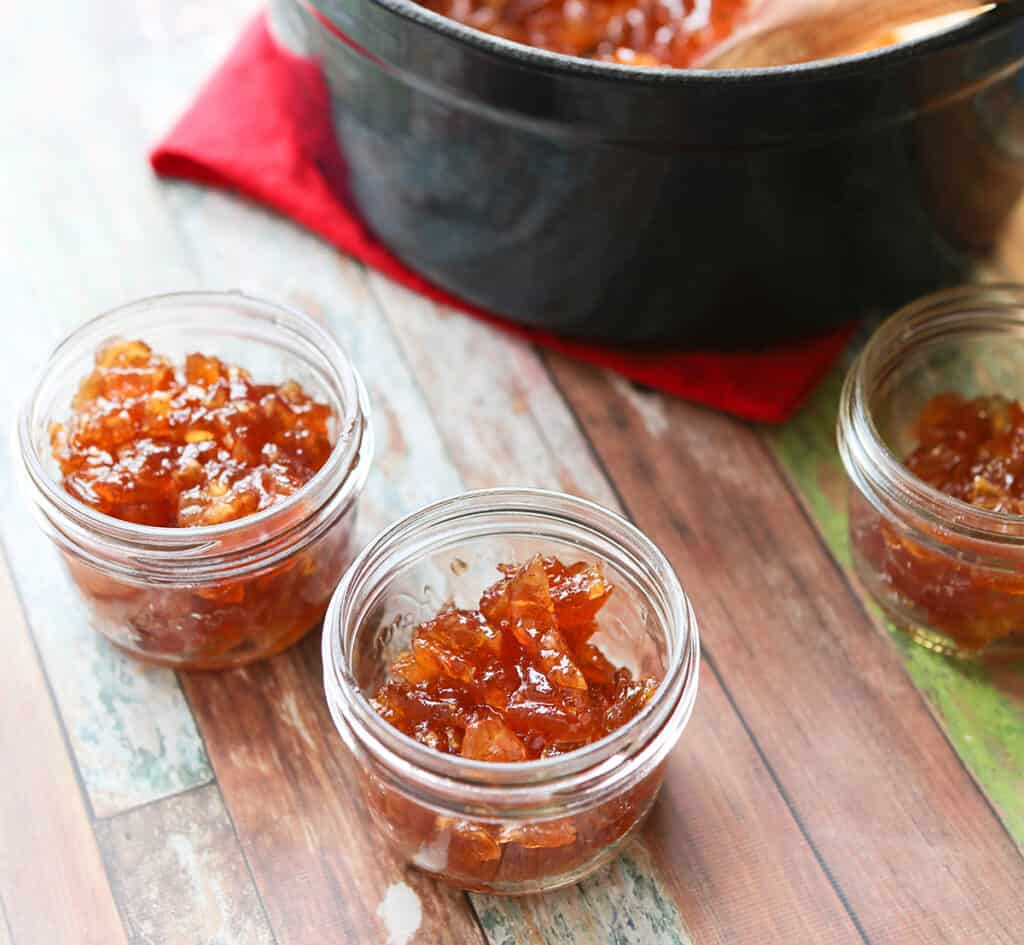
629	32
971	449
931	434
516	679
194	444
204	512
511	720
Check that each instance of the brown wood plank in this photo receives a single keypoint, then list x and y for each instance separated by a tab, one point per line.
727	846
910	842
53	888
179	875
323	870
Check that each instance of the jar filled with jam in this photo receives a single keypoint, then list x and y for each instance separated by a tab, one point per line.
931	432
510	668
197	459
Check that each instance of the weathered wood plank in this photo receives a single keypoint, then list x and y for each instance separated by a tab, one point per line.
52	884
179	874
911	844
91	233
980	707
293	792
619	904
323	871
502	419
133	737
510	424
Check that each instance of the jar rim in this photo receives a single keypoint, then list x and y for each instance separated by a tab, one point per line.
505	784
348	461
972	310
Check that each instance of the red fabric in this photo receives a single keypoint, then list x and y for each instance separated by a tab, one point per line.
260	127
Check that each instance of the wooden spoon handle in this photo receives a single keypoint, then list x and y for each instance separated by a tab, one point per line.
787	31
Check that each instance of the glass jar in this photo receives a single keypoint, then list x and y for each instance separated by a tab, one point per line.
949	574
218	595
518	827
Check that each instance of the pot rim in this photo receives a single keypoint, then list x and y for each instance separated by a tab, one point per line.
542	60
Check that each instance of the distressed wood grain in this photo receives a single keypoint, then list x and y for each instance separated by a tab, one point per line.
90	234
322	869
980	706
132	734
502	420
52	884
912	846
621	903
179	875
787	815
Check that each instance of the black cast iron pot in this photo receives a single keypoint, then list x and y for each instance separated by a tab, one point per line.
654	206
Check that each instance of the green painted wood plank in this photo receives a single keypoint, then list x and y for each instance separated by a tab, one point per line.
980	706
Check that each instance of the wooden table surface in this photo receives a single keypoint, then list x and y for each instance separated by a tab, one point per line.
835	785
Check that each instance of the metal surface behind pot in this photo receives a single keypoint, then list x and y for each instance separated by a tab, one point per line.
652	206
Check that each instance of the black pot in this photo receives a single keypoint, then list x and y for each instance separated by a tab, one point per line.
653	205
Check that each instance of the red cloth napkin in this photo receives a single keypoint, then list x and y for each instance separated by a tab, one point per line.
260	127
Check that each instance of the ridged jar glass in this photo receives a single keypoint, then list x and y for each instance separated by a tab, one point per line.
221	595
949	574
477	824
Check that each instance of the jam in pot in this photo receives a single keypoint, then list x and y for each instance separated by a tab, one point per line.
629	32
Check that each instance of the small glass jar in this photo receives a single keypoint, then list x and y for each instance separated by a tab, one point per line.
508	828
212	596
949	574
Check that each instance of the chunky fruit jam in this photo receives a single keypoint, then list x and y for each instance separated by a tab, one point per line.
198	443
194	444
972	450
518	679
515	680
629	32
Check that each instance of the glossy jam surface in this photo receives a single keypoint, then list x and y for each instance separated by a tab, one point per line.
629	32
198	443
972	450
516	679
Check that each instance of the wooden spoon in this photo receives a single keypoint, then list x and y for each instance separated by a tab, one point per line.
778	32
